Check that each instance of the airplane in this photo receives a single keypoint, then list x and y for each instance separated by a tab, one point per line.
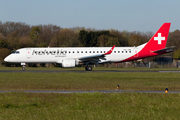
69	57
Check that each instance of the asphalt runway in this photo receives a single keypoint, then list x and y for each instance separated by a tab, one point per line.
78	71
75	91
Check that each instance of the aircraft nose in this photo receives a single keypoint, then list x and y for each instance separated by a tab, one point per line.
7	59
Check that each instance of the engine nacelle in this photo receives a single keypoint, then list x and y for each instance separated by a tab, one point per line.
68	63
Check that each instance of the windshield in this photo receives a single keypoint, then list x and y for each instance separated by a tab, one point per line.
16	52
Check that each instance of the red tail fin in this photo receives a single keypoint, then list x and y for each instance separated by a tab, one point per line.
155	46
158	41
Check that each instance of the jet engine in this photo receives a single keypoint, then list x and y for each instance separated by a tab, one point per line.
68	63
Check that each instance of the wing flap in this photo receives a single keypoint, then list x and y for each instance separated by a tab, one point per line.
91	57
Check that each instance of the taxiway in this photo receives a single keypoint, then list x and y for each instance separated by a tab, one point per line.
78	71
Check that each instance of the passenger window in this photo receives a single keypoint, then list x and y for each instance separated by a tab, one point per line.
101	51
126	51
89	51
73	51
77	51
86	51
97	51
114	51
129	51
93	51
118	51
69	51
122	51
81	51
17	52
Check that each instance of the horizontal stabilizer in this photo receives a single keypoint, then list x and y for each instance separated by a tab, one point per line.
167	50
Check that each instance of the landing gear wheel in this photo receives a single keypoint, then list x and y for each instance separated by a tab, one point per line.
23	68
88	68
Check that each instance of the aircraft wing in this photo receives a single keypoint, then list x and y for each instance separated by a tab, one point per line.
167	50
95	58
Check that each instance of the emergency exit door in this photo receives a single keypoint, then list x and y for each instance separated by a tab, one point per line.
28	53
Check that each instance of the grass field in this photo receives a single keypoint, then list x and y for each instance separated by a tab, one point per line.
89	106
86	106
90	81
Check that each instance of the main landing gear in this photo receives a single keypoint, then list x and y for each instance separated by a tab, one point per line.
88	68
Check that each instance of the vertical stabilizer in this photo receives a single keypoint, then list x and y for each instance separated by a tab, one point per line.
156	43
159	39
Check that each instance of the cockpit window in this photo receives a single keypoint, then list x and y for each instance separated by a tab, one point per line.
16	52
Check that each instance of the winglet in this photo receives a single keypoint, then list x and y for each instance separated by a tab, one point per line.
110	51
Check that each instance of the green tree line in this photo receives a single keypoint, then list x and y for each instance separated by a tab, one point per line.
15	35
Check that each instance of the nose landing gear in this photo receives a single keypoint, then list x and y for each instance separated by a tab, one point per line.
23	66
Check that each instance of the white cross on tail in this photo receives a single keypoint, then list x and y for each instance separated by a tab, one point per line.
159	38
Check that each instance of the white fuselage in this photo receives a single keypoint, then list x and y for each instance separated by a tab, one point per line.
57	54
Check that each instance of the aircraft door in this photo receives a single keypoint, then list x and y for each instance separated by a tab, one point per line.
28	53
136	52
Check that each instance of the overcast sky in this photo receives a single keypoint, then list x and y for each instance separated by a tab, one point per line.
130	15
